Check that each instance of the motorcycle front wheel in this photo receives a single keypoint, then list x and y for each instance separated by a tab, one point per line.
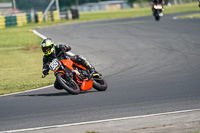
68	84
157	18
156	15
99	83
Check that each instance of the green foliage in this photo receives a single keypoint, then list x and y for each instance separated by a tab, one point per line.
42	4
5	1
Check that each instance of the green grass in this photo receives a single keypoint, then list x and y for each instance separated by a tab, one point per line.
21	70
17	37
21	56
182	8
115	14
197	15
21	61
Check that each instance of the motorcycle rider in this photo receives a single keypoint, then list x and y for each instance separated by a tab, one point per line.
153	2
51	50
162	2
199	3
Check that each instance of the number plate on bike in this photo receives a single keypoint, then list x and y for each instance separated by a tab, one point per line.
55	64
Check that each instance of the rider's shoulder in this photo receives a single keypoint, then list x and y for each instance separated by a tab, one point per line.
58	45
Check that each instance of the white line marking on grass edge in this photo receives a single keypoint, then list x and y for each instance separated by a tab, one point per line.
38	34
26	91
99	121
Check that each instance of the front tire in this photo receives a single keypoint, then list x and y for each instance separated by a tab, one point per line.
156	15
100	84
68	84
157	18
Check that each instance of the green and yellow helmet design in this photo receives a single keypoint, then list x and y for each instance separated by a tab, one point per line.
47	46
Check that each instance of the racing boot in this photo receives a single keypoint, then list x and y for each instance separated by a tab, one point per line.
89	67
82	61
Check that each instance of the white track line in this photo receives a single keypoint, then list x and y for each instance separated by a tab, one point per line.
26	91
38	34
99	121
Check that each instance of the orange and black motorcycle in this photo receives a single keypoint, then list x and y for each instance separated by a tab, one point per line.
75	78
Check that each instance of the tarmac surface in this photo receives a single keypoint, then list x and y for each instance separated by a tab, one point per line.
171	122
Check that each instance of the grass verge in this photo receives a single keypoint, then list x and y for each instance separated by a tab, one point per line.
21	56
21	61
197	15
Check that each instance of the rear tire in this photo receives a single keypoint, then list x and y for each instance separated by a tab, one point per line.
69	85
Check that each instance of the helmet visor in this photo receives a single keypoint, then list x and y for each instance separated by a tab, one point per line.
46	49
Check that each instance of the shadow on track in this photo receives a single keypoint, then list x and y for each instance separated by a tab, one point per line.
54	94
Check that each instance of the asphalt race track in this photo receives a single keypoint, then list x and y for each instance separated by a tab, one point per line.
151	67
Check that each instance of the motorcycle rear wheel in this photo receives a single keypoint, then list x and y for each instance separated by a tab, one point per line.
69	85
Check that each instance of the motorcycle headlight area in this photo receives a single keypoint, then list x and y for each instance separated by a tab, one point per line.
157	6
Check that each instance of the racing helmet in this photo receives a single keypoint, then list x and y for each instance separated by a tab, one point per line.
47	46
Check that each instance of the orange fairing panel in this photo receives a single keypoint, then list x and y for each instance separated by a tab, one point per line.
86	85
81	66
68	63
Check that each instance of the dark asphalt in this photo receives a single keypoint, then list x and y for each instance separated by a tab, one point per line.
151	67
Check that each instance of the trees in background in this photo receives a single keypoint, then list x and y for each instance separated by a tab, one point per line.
64	4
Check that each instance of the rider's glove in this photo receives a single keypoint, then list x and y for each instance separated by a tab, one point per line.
66	48
45	72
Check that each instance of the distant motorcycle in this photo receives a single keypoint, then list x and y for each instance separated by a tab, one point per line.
157	11
75	78
199	3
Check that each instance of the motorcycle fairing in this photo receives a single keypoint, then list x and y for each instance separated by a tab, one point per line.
69	63
87	85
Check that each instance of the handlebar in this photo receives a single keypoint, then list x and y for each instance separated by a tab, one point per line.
91	75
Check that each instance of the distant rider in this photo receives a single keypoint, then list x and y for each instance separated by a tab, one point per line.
199	3
162	2
153	2
51	50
